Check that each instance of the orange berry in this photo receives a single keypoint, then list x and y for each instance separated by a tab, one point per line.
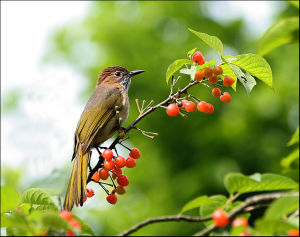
213	79
198	58
294	233
70	233
120	190
120	161
220	218
208	72
135	153
240	221
211	109
188	106
172	110
103	173
112	198
96	176
218	70
199	75
90	192
107	154
225	97
203	106
109	164
66	215
216	92
228	81
75	224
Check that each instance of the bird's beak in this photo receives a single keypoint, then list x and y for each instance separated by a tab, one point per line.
133	73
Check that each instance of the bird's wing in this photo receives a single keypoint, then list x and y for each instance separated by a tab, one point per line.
98	111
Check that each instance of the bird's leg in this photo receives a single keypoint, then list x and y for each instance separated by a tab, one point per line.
120	129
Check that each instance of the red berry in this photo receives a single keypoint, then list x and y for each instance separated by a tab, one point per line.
228	81
120	161
213	79
208	72
216	92
109	164
130	162
220	218
90	192
245	234
123	180
188	106
218	70
294	233
120	190
211	109
75	224
203	106
103	173
70	233
135	153
240	221
198	58
66	215
225	97
117	171
112	198
96	176
107	154
172	110
84	200
199	75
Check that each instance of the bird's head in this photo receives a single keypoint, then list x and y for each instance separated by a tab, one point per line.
117	74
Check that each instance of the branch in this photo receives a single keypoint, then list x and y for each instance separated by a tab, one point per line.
171	97
164	219
257	199
250	204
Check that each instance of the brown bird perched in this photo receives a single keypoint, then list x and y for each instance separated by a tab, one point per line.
98	122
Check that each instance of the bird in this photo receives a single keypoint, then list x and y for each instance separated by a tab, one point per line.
98	122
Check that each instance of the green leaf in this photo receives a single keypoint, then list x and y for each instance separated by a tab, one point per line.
195	203
228	72
236	182
212	41
207	64
288	160
295	138
191	52
217	201
294	3
189	71
284	31
245	78
282	207
55	221
175	66
39	198
270	227
85	228
10	198
236	231
255	65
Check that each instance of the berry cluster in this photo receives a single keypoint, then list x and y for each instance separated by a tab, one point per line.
73	223
211	75
113	165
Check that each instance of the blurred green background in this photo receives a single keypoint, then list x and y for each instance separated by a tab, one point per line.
190	157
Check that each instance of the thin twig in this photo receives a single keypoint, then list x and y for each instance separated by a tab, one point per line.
164	219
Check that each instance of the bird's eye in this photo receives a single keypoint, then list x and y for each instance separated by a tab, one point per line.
117	73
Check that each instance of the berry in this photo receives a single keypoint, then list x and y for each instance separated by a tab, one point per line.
117	171
130	162
220	218
188	106
90	192
240	221
103	173
120	190
211	109
66	215
218	70
112	198
109	164
135	153
75	224
120	161
213	79
216	92
225	97
70	233
294	233
107	154
172	110
84	200
228	81
96	176
208	72
199	75
123	180
198	58
203	106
